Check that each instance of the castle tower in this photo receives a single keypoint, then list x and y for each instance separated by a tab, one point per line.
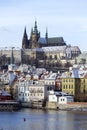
35	35
25	40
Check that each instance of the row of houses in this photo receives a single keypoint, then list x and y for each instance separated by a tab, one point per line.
73	82
27	84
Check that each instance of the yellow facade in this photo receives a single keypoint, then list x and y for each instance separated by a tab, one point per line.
82	95
83	85
76	87
70	85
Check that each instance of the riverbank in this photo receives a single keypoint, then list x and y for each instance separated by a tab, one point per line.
74	106
9	106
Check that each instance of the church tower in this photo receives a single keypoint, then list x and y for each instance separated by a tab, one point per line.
12	57
25	43
46	36
35	35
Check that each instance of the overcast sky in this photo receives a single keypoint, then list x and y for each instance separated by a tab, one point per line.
66	18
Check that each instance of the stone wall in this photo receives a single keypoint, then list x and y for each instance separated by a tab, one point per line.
75	106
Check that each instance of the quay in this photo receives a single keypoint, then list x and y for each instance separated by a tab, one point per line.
33	105
74	106
9	106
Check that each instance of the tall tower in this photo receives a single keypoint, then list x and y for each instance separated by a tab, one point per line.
35	35
12	56
25	43
46	35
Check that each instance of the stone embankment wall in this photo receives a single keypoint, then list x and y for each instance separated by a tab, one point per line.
73	106
51	105
81	106
9	106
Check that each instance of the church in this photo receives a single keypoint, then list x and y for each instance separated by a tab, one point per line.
36	41
48	51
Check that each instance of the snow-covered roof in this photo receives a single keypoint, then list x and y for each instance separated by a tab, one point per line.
51	48
51	76
74	73
4	93
58	48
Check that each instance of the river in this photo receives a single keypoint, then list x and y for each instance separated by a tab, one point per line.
31	119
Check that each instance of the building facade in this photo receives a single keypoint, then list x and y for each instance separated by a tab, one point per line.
36	41
48	52
45	51
71	85
74	82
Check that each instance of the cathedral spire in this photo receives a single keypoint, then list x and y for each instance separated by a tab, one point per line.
25	33
35	27
25	39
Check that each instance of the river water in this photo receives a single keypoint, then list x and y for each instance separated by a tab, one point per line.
43	120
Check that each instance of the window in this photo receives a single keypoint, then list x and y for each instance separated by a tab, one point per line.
69	86
48	88
72	92
72	86
66	86
62	99
63	86
50	56
55	57
50	83
53	83
45	57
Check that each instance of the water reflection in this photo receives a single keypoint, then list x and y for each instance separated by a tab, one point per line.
43	120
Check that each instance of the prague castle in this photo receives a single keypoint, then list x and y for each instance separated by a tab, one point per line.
47	51
36	41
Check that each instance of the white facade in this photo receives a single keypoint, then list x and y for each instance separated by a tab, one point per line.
60	97
52	97
62	100
38	92
49	80
65	99
31	91
23	91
